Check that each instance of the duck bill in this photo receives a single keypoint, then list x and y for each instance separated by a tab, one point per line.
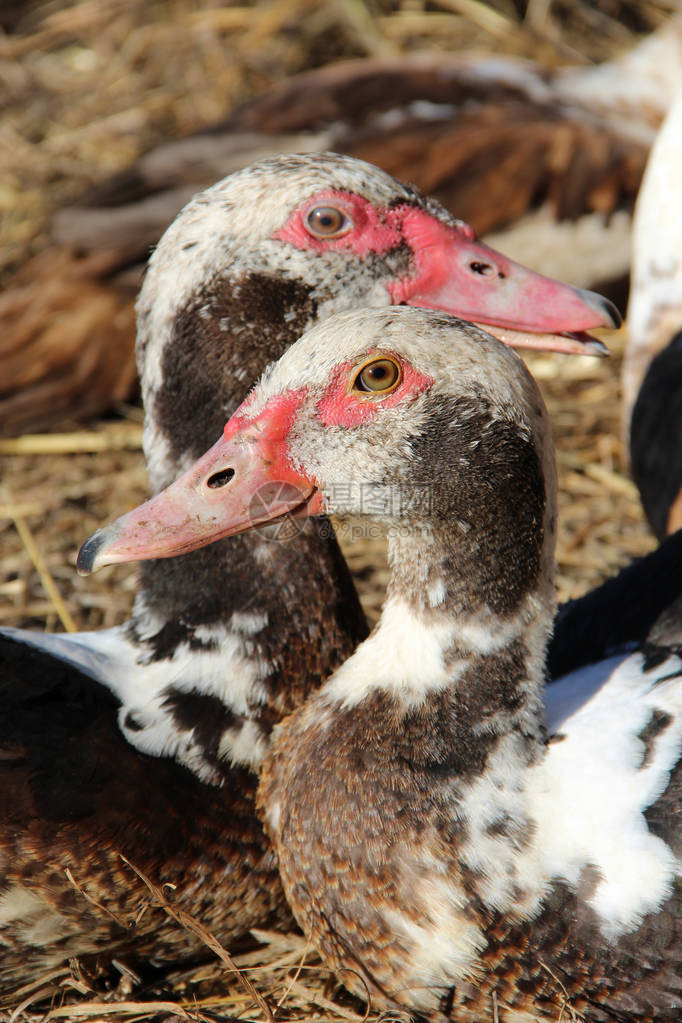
241	483
576	343
457	273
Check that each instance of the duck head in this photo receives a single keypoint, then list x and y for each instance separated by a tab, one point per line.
403	415
348	230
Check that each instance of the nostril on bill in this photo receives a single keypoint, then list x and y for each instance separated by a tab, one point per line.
483	269
220	479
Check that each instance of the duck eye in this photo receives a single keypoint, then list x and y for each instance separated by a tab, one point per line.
327	222
378	377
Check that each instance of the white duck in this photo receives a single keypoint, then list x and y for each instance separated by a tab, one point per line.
453	837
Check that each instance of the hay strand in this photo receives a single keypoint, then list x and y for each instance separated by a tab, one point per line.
46	578
209	939
119	437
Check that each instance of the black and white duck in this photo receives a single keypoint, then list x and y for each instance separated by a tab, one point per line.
456	838
145	739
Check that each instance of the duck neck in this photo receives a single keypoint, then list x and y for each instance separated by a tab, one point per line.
471	600
433	649
253	621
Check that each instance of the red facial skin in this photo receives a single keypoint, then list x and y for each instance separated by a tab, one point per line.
248	477
453	271
272	426
270	453
371	229
340	406
244	480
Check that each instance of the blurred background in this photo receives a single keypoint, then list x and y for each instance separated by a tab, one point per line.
89	86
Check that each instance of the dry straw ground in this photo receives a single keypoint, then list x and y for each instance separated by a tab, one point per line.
89	86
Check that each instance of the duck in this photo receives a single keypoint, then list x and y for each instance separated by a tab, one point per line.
146	739
455	837
543	162
652	367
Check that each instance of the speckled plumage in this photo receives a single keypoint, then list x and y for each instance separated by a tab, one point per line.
378	879
437	849
74	796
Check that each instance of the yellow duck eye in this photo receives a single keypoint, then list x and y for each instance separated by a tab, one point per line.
379	377
327	222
